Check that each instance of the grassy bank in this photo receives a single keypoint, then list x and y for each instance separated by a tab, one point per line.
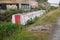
49	18
29	36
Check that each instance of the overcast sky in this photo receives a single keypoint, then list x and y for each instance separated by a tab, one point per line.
53	1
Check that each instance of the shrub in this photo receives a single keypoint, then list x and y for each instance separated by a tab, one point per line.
30	21
52	8
41	8
35	19
8	29
21	11
7	15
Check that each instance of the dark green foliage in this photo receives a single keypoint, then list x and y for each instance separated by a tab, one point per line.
41	8
35	19
52	8
42	0
30	21
21	11
7	15
8	29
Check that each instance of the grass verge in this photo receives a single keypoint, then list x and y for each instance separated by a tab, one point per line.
49	18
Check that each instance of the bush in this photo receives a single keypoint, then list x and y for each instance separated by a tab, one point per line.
18	11
41	8
7	15
8	29
21	11
52	8
30	21
35	19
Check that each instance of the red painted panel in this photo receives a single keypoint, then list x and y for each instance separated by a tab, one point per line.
17	19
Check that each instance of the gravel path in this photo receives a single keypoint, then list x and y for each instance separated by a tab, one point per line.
56	33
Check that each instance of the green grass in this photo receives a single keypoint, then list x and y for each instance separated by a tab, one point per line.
49	18
25	35
28	36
